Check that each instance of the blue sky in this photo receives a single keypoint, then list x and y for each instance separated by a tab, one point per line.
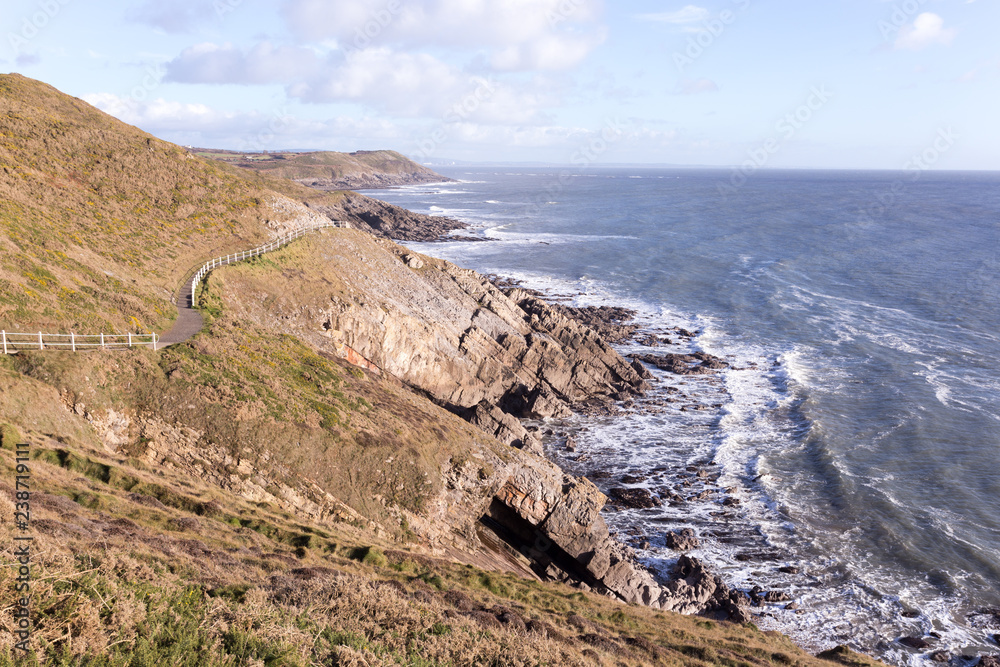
829	84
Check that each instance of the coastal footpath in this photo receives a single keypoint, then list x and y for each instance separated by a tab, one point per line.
334	470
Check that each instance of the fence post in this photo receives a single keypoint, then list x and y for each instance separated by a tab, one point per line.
72	341
102	340
3	334
130	339
154	342
41	345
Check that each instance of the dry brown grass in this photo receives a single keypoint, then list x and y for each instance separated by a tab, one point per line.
114	584
99	221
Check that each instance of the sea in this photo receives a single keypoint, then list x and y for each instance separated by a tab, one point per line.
857	426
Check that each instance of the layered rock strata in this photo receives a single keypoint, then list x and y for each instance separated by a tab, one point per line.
491	357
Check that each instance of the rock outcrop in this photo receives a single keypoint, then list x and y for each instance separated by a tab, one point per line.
554	520
388	221
372	181
491	357
448	332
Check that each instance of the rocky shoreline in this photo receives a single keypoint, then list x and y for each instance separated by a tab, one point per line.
373	181
689	586
702	508
502	357
393	222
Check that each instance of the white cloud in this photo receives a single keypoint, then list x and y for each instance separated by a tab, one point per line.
160	113
516	34
463	138
927	29
688	14
264	63
175	16
417	85
695	86
200	125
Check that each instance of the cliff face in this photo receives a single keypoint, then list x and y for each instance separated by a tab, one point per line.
490	357
446	331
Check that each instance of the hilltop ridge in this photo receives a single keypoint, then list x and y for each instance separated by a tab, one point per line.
330	170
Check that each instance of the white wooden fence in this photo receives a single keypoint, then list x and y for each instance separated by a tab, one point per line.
248	254
15	342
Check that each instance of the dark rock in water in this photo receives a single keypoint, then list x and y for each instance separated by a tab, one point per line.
633	479
598	474
776	596
699	363
391	222
789	569
989	661
914	642
570	444
941	656
633	498
730	502
792	606
641	370
996	639
682	540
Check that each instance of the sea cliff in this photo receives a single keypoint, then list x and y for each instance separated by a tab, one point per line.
334	469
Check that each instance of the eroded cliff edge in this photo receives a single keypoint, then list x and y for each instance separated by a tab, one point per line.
492	358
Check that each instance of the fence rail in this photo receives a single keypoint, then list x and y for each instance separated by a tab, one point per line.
15	342
256	252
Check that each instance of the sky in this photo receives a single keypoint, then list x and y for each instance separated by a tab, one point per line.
840	84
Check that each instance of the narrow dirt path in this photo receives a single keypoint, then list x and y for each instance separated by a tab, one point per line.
189	321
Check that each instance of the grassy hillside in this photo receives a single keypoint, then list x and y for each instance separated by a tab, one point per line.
99	221
138	562
325	165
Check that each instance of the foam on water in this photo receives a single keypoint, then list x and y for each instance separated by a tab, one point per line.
856	504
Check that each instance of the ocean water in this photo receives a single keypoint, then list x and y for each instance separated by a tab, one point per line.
859	423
